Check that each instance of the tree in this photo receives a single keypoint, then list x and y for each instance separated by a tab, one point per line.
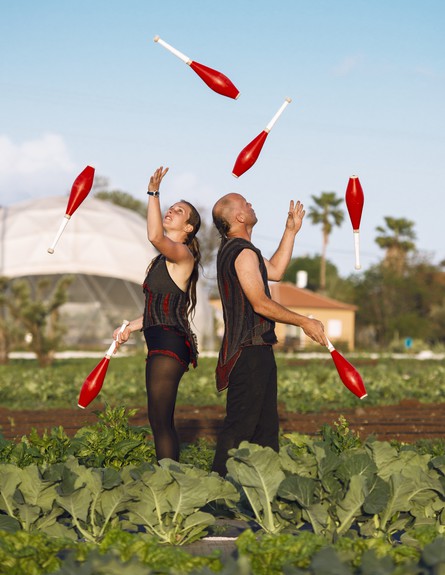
35	309
397	239
10	332
437	317
326	213
393	305
117	197
311	265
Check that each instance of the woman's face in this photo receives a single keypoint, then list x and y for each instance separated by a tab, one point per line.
177	216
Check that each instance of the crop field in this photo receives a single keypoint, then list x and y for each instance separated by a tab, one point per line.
99	503
303	385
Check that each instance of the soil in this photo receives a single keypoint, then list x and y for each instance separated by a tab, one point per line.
407	422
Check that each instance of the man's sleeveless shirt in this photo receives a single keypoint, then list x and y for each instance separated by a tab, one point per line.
242	326
166	304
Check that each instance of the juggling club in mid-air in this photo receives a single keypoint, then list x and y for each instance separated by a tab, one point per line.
93	384
79	191
348	374
214	79
249	155
354	202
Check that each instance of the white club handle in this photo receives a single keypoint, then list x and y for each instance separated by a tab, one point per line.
357	249
112	347
177	53
270	125
65	220
330	346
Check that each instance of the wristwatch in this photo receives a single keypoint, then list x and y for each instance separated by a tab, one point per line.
155	194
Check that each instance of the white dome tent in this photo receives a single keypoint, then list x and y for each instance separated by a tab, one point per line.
104	247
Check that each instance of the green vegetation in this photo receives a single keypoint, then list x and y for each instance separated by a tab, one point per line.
122	553
99	502
32	307
325	505
304	385
400	297
111	442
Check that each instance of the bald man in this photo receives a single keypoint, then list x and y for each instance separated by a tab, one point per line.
246	364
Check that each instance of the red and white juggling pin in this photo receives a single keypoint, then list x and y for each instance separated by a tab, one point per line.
249	155
93	384
354	202
348	374
79	191
214	79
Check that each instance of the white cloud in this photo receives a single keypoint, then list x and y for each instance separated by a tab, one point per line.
34	168
347	65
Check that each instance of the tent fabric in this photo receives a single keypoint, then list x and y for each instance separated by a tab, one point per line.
100	239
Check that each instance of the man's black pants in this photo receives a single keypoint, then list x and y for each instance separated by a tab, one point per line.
251	407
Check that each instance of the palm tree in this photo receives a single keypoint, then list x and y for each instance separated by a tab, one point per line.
397	239
326	213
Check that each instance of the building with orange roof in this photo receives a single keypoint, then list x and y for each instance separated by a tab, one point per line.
337	317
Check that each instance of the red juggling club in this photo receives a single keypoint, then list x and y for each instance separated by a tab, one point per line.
354	202
348	374
214	79
79	191
249	155
93	383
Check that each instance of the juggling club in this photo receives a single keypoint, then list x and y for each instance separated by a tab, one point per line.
214	79
348	374
79	191
249	155
93	383
354	202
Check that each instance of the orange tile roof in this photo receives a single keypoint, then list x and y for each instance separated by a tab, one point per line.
290	295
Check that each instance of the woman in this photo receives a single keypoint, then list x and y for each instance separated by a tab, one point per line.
170	300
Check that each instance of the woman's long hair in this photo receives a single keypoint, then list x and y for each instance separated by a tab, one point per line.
193	244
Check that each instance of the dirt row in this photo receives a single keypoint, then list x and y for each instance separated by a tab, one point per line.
407	422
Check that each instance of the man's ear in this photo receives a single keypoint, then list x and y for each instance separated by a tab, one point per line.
240	217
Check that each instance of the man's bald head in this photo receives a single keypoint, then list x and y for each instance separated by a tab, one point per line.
233	216
226	208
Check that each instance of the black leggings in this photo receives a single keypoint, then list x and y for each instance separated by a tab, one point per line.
163	373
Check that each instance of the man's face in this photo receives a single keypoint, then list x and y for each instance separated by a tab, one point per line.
248	211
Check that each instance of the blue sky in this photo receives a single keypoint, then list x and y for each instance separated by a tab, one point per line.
83	83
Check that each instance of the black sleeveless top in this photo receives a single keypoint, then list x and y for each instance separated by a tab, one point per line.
166	304
242	326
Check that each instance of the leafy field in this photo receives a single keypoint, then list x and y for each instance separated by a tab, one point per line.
304	385
99	503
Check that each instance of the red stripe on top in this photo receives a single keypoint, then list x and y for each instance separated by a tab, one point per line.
165	303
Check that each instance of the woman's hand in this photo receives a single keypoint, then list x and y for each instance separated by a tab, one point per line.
156	179
120	337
